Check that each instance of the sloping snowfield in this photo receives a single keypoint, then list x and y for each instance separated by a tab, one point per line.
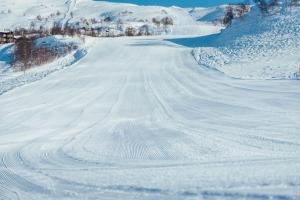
256	46
137	118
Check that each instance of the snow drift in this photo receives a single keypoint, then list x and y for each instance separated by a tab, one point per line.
256	46
10	79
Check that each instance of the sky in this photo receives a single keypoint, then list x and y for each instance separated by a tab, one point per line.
180	3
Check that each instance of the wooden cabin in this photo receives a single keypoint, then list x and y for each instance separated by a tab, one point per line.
7	37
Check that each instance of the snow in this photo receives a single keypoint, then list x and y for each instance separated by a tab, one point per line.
130	15
22	13
25	14
208	14
10	79
139	118
257	46
57	41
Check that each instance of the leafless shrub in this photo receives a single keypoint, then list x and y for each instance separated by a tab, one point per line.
27	54
227	20
156	21
94	21
71	31
166	21
39	17
130	31
234	11
163	11
144	30
108	19
32	26
56	29
241	9
23	53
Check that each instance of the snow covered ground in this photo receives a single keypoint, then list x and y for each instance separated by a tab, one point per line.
37	14
108	16
256	46
10	78
139	118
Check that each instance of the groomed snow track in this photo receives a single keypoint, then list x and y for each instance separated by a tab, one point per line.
137	118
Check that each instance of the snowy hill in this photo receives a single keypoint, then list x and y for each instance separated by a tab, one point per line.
110	16
19	13
257	46
137	118
111	19
208	14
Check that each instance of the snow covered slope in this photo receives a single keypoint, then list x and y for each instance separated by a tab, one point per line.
42	13
12	77
257	46
112	17
20	13
138	119
209	14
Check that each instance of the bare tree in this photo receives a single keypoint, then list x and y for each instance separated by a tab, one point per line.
23	53
27	54
130	31
167	21
39	17
56	29
144	30
227	20
156	22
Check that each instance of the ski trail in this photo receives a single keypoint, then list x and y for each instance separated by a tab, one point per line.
138	118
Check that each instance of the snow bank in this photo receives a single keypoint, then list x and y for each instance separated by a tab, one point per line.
20	79
257	46
9	79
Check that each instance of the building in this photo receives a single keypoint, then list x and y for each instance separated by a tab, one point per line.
7	37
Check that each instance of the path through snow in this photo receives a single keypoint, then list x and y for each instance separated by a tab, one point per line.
137	118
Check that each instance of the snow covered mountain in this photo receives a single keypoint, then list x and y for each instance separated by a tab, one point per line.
112	16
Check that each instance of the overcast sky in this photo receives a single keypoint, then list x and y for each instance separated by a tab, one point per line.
181	3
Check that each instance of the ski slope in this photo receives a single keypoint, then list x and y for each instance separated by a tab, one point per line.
138	118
